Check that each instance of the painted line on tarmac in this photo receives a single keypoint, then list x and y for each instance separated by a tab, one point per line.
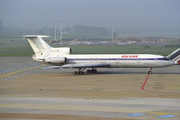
136	114
166	116
20	71
145	83
152	90
83	108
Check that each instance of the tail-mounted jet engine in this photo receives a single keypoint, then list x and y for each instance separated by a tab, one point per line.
57	60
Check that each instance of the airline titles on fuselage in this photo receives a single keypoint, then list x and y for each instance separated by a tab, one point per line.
129	56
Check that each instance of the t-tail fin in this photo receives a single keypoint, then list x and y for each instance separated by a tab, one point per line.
44	52
175	56
37	43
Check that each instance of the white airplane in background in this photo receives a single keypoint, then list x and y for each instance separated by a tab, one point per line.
61	58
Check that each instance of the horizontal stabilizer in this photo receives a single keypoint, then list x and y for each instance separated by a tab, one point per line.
34	36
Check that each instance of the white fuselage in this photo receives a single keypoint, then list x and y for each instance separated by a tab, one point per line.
117	60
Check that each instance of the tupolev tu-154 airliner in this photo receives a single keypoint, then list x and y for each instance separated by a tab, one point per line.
62	58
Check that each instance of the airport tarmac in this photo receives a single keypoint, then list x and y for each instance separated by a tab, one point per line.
28	92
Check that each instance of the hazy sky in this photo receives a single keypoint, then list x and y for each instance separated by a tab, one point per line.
126	14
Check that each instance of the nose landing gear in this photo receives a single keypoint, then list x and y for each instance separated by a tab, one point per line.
150	71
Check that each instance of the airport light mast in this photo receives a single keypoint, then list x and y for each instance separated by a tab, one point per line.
55	30
61	31
112	32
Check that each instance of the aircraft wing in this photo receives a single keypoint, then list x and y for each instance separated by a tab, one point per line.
85	65
51	67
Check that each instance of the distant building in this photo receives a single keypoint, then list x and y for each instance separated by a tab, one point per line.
91	30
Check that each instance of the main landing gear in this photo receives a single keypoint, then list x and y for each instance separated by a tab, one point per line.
150	71
92	71
80	71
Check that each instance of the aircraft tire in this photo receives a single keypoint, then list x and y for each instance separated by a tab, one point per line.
91	71
149	72
79	73
75	73
88	71
94	71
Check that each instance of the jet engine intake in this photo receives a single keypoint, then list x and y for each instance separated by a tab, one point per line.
57	60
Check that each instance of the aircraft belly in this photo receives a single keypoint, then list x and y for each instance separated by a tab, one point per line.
155	64
129	64
141	64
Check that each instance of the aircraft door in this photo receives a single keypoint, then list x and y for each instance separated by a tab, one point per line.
138	61
117	61
94	59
